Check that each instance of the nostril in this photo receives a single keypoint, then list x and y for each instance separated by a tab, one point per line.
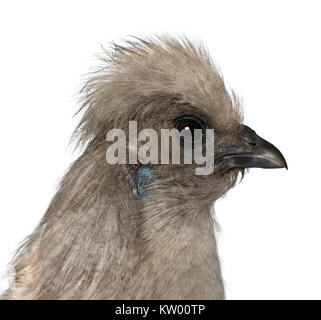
250	141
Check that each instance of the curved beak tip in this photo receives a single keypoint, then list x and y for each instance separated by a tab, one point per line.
285	165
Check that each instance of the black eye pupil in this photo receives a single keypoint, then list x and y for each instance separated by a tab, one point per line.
188	126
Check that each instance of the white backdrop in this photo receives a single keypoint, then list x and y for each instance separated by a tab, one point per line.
268	51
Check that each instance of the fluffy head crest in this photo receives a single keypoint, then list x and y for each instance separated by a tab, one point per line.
144	71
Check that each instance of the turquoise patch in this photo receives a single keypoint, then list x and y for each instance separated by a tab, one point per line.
144	176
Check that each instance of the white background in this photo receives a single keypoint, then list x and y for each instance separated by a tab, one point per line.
268	51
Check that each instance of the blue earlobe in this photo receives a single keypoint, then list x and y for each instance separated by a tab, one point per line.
144	176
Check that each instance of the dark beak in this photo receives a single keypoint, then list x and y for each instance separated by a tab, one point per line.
253	152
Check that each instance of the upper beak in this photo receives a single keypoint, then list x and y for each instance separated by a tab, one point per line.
253	152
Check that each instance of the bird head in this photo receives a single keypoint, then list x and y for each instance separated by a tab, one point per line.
137	230
171	84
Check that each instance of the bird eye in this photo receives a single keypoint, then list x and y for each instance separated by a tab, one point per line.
187	125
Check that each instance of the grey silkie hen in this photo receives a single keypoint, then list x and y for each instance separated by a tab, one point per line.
100	238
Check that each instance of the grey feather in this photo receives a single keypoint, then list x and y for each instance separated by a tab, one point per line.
98	239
